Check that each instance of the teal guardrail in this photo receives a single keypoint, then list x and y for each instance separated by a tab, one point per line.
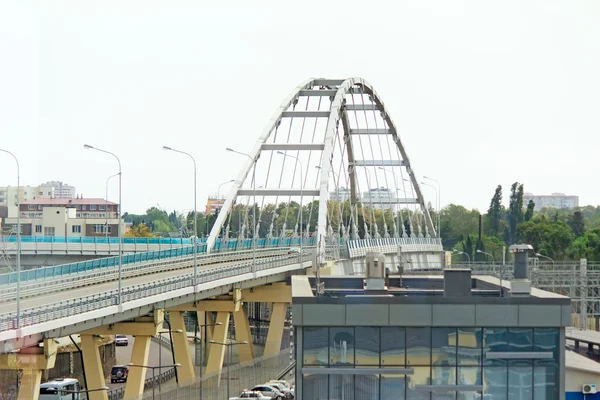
98	240
84	266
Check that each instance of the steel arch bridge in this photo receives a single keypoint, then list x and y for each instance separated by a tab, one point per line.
333	151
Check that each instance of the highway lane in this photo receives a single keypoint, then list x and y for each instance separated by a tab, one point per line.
123	356
76	293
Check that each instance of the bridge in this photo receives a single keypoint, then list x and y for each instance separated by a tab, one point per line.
327	181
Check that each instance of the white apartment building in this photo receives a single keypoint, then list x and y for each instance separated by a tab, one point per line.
380	199
341	194
66	217
58	189
554	200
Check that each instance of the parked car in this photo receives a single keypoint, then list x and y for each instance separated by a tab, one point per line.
121	340
249	394
269	391
289	393
119	374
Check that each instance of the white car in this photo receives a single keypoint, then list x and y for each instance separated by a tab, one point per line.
248	394
289	393
269	391
121	340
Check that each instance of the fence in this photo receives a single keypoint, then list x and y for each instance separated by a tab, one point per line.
241	376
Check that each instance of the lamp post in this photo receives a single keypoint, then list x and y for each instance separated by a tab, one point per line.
106	209
439	201
254	160
18	237
120	209
218	202
229	350
195	236
153	368
199	357
462	252
160	351
487	254
437	205
301	196
546	257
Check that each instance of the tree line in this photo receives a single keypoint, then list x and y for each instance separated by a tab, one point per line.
561	234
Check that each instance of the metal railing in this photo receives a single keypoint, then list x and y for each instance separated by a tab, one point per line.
72	307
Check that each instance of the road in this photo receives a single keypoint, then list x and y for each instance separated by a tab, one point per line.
123	357
85	291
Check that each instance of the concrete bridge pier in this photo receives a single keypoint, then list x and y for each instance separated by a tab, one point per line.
32	361
142	328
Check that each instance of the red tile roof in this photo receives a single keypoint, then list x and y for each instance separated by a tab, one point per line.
69	202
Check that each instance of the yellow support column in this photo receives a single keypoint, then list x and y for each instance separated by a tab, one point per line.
93	366
242	332
30	384
276	325
181	348
217	352
136	377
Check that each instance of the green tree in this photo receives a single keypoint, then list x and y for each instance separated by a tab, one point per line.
457	223
139	230
493	219
515	211
529	212
551	238
577	223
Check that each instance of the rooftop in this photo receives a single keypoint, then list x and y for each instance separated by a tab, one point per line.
68	202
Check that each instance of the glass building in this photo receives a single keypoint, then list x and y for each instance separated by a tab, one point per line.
420	339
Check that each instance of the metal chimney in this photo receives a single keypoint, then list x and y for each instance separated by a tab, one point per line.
520	285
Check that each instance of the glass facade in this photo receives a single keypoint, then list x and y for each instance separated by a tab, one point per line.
438	356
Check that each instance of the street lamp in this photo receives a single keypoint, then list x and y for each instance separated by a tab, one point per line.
546	257
254	160
301	188
229	350
153	368
437	205
160	349
218	203
195	213
462	252
439	200
120	209
199	357
487	254
106	209
18	237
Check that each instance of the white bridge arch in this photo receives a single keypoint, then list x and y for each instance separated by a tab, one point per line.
339	134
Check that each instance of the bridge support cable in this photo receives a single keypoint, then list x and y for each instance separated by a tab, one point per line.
350	132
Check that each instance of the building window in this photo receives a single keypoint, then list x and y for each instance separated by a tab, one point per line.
78	207
83	208
38	229
39	207
49	231
49	193
102	207
31	207
100	228
93	207
76	229
40	193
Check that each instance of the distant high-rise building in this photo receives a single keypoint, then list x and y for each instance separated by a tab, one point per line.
554	200
341	194
380	199
57	189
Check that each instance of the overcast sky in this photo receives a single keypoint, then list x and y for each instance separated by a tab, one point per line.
483	93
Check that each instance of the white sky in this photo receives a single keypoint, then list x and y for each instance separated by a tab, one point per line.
483	93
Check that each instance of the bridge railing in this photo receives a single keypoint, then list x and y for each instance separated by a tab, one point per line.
107	262
49	312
